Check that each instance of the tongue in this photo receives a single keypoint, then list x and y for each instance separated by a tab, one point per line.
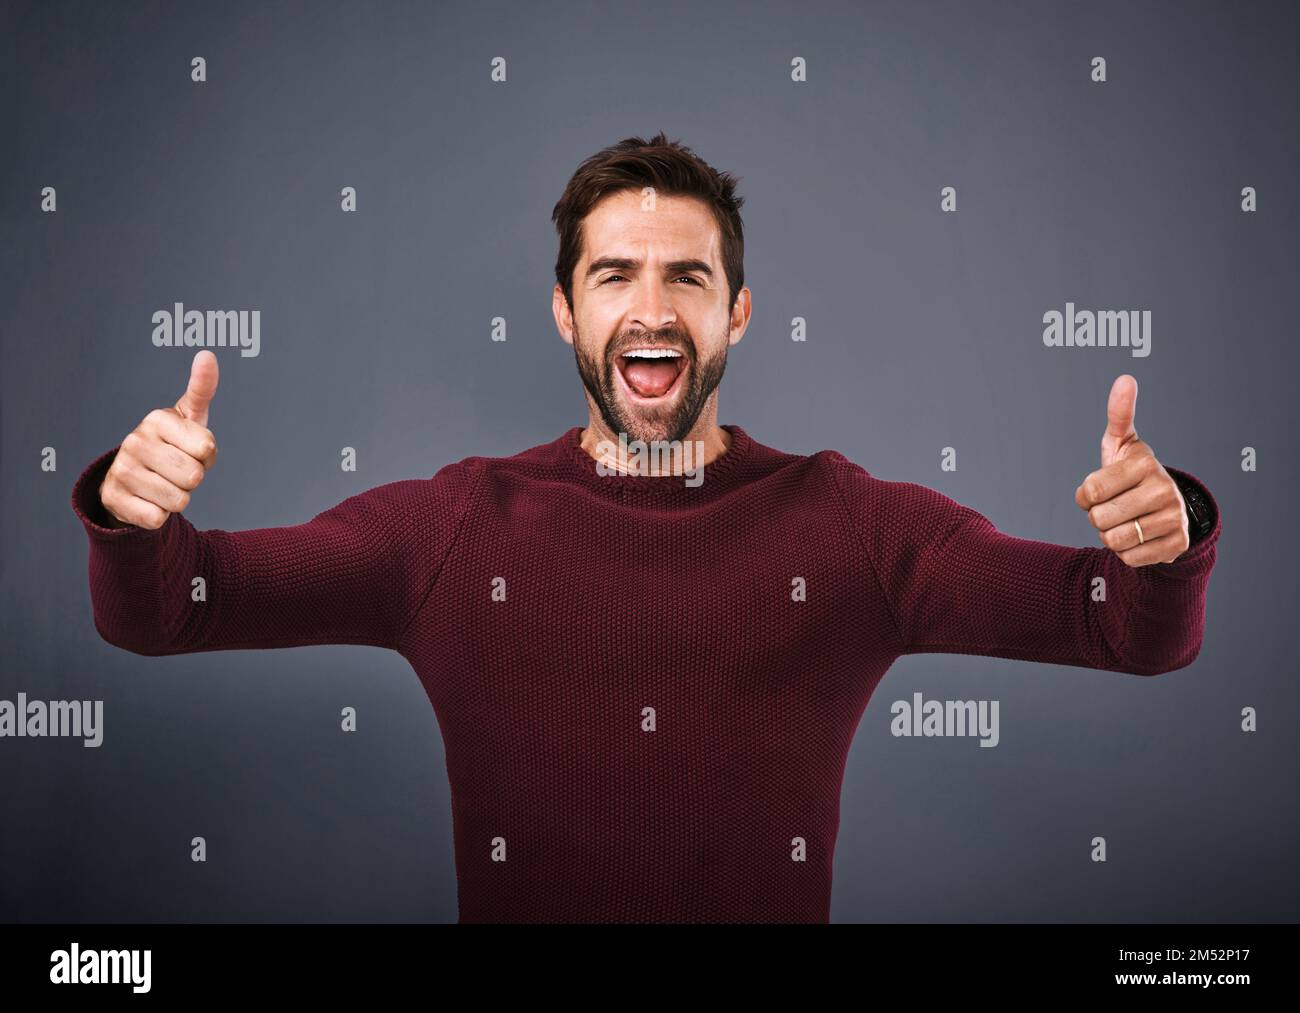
650	377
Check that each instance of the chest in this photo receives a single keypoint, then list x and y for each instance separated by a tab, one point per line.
733	596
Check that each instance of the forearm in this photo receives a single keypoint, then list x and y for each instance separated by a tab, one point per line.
958	585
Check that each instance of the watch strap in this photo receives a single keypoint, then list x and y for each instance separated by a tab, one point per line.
1200	514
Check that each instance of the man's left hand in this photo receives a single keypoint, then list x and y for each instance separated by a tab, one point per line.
1131	485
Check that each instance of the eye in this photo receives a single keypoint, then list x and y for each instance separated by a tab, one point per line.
693	281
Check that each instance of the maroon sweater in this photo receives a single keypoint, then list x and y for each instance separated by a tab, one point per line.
642	721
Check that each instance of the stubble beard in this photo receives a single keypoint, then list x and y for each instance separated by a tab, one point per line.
671	422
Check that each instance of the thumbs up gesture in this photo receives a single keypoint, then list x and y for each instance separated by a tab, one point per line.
165	457
1131	500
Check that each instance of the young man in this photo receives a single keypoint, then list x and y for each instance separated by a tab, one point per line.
648	667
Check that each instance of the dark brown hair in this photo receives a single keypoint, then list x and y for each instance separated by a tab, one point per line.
673	170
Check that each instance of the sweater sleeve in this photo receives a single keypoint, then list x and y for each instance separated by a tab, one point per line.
356	573
957	585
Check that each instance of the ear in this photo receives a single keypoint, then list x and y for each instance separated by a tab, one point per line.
740	316
563	316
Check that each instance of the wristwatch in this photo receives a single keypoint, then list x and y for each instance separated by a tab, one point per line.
1199	511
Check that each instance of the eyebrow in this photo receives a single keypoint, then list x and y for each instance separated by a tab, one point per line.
631	264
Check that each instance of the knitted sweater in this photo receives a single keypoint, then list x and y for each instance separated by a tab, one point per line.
647	689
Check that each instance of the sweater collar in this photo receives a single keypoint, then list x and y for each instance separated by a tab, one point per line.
720	472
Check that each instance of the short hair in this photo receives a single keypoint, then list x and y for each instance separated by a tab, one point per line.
673	170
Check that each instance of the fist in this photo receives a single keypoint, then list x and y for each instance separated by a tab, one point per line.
165	457
1131	499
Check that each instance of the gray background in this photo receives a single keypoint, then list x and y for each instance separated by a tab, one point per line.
924	331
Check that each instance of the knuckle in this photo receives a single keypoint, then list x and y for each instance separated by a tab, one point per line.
149	516
123	472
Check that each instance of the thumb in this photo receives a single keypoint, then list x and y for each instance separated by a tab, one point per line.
193	404
1121	406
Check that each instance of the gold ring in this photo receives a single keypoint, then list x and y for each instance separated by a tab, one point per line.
1139	527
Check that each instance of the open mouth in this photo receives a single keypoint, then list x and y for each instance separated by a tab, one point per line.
651	374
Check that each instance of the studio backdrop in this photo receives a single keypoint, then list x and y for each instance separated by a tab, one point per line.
925	185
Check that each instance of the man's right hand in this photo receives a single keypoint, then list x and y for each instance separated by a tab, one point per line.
165	456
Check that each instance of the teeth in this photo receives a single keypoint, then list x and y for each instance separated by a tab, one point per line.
653	353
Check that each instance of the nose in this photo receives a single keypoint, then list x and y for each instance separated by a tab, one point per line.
652	306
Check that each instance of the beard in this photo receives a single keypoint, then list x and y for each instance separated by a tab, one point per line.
671	422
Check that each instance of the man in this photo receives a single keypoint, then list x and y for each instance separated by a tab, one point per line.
648	673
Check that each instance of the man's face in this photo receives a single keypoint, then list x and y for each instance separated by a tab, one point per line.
651	278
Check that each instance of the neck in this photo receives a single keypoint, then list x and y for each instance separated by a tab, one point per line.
707	442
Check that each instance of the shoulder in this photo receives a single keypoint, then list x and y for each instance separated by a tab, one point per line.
429	507
886	503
